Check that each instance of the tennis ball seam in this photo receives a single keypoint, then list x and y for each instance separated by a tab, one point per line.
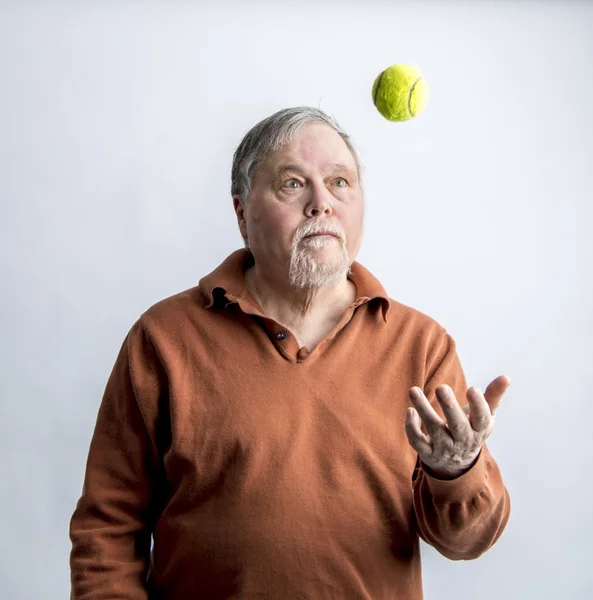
377	88
410	96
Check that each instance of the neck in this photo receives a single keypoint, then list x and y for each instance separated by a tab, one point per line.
298	308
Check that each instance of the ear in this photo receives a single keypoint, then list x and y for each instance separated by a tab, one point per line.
239	207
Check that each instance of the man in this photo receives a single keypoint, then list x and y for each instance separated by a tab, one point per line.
265	426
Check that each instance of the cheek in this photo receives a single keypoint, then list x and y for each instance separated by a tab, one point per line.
284	221
275	225
354	231
255	224
354	223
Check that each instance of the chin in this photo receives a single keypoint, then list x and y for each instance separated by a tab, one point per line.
308	270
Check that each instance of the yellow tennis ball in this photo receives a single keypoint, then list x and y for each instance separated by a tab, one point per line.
400	92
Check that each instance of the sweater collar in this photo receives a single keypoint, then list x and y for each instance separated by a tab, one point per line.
227	281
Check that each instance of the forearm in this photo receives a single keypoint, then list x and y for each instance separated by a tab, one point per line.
110	553
462	517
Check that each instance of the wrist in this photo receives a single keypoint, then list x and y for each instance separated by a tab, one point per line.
448	474
443	475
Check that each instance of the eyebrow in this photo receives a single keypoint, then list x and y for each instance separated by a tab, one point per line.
340	167
297	169
283	168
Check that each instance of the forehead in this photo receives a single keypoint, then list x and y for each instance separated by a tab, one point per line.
316	145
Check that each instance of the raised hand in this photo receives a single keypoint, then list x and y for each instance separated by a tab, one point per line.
450	448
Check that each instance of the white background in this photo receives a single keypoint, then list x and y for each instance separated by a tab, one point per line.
118	121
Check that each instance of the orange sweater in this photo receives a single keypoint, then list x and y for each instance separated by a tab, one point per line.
266	471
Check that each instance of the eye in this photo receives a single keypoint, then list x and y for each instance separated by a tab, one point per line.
292	184
341	182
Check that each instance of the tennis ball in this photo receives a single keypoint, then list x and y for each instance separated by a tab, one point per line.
400	92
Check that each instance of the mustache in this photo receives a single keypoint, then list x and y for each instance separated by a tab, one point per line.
325	229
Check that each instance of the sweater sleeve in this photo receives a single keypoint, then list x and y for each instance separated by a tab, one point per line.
112	524
461	518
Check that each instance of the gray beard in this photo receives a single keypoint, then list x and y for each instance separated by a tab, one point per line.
307	271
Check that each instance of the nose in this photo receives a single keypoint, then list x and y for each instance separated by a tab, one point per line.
319	202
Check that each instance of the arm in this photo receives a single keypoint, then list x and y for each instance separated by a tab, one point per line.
464	515
113	521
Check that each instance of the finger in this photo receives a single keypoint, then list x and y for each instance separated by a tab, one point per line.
430	417
418	440
457	420
495	391
480	417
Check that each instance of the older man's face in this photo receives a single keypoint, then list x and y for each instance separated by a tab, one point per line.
310	185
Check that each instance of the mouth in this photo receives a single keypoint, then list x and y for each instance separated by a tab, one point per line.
322	233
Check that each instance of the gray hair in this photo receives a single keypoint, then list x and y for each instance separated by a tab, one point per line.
271	134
